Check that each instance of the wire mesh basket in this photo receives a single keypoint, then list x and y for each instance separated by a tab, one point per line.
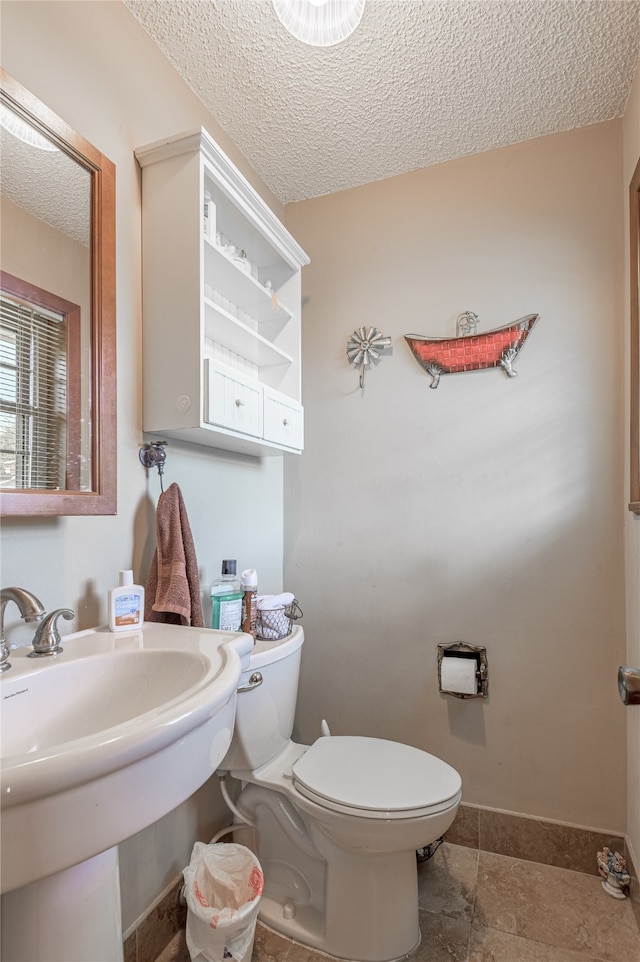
275	623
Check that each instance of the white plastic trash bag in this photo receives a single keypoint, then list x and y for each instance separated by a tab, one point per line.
223	885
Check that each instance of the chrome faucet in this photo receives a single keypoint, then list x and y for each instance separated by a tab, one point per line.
30	608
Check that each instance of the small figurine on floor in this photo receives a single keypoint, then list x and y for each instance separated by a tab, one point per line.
613	869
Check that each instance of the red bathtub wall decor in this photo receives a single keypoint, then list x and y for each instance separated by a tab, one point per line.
471	352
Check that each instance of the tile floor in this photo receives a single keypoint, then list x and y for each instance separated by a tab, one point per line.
480	907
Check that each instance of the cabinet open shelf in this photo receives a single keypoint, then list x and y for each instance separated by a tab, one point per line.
237	336
240	288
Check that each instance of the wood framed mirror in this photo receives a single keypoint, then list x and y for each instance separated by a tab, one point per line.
634	222
57	300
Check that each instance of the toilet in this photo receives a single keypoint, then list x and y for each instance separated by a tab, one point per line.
335	825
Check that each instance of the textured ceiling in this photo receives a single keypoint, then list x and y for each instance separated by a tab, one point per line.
419	82
48	184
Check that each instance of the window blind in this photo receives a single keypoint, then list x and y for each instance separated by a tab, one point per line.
33	395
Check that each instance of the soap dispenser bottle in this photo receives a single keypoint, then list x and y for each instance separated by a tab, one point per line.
126	604
226	599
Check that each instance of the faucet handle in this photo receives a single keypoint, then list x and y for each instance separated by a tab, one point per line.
46	640
4	656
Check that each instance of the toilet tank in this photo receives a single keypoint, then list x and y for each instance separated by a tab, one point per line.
265	714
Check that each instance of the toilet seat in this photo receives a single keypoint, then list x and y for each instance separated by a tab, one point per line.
375	778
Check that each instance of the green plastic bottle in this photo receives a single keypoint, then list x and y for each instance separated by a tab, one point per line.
226	599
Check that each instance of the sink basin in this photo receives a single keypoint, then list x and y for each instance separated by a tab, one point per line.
105	738
70	700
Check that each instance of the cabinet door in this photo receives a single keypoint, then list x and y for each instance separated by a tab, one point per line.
283	420
232	402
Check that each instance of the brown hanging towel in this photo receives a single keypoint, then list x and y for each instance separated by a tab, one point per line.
172	592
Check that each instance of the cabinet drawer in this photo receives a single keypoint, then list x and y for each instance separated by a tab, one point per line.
233	403
283	420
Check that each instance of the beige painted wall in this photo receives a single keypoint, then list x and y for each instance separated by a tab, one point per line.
487	510
631	132
93	64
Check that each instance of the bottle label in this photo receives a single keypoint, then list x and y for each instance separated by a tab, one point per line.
250	612
127	610
230	615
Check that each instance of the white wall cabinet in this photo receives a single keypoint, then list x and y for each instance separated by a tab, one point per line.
221	308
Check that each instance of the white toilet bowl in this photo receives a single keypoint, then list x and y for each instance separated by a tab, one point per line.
335	825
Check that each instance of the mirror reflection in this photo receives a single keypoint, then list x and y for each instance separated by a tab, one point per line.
45	312
57	314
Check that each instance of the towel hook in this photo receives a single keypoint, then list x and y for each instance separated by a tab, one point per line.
365	347
153	455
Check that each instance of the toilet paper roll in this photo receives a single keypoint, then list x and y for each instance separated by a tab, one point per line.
459	675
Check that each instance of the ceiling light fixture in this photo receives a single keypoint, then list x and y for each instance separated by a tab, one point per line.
23	130
320	23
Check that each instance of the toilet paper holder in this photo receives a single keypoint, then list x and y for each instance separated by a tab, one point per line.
460	649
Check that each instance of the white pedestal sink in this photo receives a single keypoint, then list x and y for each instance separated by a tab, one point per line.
99	742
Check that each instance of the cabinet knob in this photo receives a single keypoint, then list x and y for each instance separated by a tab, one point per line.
285	421
239	402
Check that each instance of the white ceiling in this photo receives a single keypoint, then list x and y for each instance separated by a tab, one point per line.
419	82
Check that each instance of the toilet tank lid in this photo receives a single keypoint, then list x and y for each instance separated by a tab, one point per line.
375	774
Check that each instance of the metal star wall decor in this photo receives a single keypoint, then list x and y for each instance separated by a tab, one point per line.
364	346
